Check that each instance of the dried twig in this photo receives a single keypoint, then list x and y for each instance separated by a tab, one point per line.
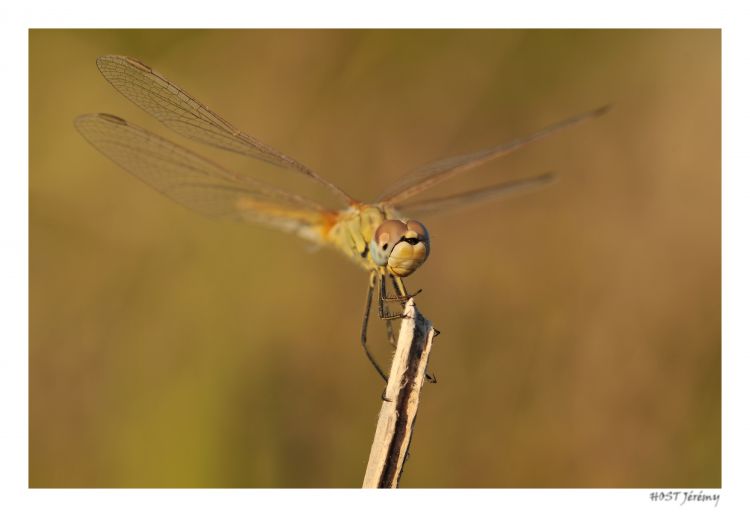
400	401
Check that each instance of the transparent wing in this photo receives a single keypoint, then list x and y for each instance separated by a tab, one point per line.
196	182
473	197
184	114
433	173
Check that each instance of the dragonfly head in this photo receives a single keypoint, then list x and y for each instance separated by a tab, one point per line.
400	246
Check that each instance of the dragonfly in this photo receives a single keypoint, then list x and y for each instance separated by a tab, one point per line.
375	236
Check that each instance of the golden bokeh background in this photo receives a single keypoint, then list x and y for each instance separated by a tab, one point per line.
581	325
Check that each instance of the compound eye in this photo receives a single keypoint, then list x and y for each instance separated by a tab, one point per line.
411	251
417	232
388	234
418	228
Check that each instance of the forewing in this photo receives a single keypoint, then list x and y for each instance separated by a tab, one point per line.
196	182
474	197
433	173
184	114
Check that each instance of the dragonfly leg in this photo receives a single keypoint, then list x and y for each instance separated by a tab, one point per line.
431	378
384	315
400	287
365	320
402	295
382	298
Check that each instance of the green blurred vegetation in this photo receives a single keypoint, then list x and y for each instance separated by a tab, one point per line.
581	341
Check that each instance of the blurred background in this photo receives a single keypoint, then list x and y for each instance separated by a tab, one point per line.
581	338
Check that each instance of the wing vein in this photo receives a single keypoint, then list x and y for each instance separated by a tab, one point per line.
196	182
429	175
184	114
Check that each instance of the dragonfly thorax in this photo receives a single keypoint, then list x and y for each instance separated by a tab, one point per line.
401	247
